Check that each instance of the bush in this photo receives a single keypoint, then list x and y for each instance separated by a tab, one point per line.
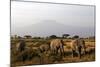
27	54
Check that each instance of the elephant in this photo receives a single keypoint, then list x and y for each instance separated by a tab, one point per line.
77	45
55	45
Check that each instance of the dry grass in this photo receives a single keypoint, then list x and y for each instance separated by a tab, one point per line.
51	59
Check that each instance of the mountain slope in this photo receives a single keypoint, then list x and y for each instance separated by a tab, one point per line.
47	28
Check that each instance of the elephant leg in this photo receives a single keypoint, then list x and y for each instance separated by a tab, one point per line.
55	51
52	51
41	59
63	52
60	51
84	51
79	52
73	53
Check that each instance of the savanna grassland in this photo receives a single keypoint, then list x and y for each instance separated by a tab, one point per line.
38	57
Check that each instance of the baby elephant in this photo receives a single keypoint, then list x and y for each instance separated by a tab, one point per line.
44	48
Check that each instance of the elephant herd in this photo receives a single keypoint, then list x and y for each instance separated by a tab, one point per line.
56	46
77	46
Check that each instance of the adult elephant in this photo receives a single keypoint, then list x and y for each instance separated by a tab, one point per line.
20	46
78	46
55	45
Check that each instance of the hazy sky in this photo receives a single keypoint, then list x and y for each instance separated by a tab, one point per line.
28	13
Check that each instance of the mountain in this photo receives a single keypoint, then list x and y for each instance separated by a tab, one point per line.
49	27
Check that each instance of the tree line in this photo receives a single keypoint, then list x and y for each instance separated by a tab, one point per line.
51	36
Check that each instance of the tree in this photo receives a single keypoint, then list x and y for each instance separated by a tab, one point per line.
19	37
76	36
15	36
65	35
36	37
28	36
53	36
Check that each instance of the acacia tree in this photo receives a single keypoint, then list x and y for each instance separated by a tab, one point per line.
76	36
65	35
53	36
19	37
28	36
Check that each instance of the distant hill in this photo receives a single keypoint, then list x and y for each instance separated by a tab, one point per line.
48	27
